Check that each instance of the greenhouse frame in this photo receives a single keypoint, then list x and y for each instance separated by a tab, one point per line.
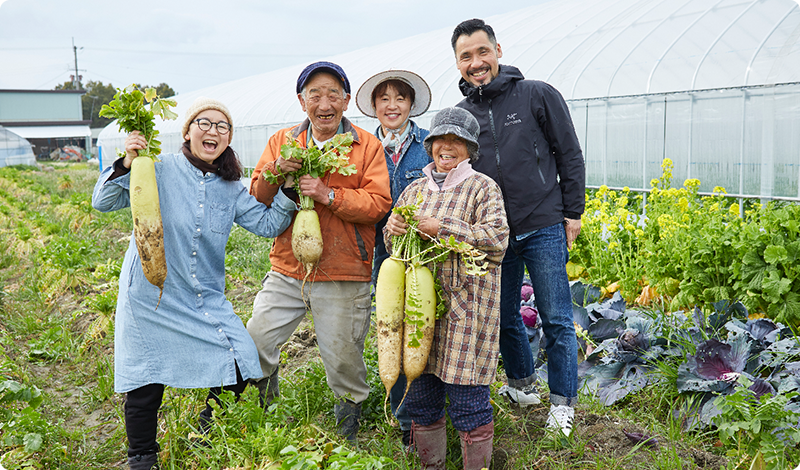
15	150
714	85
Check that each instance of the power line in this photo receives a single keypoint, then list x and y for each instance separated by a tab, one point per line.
54	78
226	54
31	48
163	52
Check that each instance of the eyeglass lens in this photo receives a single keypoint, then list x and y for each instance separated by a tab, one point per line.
205	125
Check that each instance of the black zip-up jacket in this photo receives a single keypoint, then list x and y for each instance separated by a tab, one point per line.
529	147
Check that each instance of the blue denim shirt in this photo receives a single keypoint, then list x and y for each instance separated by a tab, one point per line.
409	168
194	338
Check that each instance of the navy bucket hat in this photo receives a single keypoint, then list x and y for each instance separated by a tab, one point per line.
329	67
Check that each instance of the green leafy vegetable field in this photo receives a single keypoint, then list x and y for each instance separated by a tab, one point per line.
59	267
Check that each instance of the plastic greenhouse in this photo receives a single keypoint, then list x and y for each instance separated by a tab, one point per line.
14	150
712	84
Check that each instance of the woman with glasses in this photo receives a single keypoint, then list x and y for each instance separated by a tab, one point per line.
193	339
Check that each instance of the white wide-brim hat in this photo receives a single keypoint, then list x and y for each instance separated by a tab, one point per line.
422	92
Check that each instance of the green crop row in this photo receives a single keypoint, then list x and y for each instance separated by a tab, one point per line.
683	249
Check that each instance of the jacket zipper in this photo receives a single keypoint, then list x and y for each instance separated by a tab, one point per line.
497	157
538	162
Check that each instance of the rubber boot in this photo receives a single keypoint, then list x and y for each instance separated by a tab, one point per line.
476	447
268	389
348	416
431	444
143	462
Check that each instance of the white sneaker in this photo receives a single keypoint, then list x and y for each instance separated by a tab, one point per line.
560	418
521	397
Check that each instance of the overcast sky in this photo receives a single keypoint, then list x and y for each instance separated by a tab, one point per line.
192	44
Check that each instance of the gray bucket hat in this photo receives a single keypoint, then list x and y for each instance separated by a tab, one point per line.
458	122
422	91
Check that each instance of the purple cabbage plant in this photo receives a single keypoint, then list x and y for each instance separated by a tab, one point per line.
717	353
756	353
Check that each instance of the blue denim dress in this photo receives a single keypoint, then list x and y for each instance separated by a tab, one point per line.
408	168
194	338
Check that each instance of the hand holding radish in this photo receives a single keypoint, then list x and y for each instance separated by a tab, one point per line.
288	165
133	143
396	225
314	188
428	226
128	108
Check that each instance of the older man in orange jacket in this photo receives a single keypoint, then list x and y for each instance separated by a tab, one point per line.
338	291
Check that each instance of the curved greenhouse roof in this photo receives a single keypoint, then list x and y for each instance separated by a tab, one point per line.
15	150
585	48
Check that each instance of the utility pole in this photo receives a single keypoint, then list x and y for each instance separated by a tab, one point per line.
76	79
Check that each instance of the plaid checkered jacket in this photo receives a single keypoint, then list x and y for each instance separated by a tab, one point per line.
470	208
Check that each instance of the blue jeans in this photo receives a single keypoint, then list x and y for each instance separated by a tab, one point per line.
545	255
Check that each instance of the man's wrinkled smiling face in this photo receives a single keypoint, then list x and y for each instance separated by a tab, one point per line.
324	101
477	58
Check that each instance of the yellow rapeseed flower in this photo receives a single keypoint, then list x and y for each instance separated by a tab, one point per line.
612	245
734	209
719	190
683	204
626	190
691	184
639	233
654	182
630	227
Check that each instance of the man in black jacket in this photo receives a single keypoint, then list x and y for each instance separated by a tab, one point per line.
529	147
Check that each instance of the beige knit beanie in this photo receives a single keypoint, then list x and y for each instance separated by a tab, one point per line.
202	104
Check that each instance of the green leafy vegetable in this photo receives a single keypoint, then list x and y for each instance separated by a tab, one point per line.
316	162
414	250
128	108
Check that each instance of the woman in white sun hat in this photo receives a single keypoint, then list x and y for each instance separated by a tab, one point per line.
394	97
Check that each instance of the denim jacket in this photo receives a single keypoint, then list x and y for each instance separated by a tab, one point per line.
194	339
408	168
412	160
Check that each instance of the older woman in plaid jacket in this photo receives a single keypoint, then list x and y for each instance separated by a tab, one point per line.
460	202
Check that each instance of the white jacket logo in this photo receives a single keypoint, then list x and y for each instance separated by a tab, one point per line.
511	119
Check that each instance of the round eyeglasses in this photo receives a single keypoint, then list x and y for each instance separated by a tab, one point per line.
205	125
